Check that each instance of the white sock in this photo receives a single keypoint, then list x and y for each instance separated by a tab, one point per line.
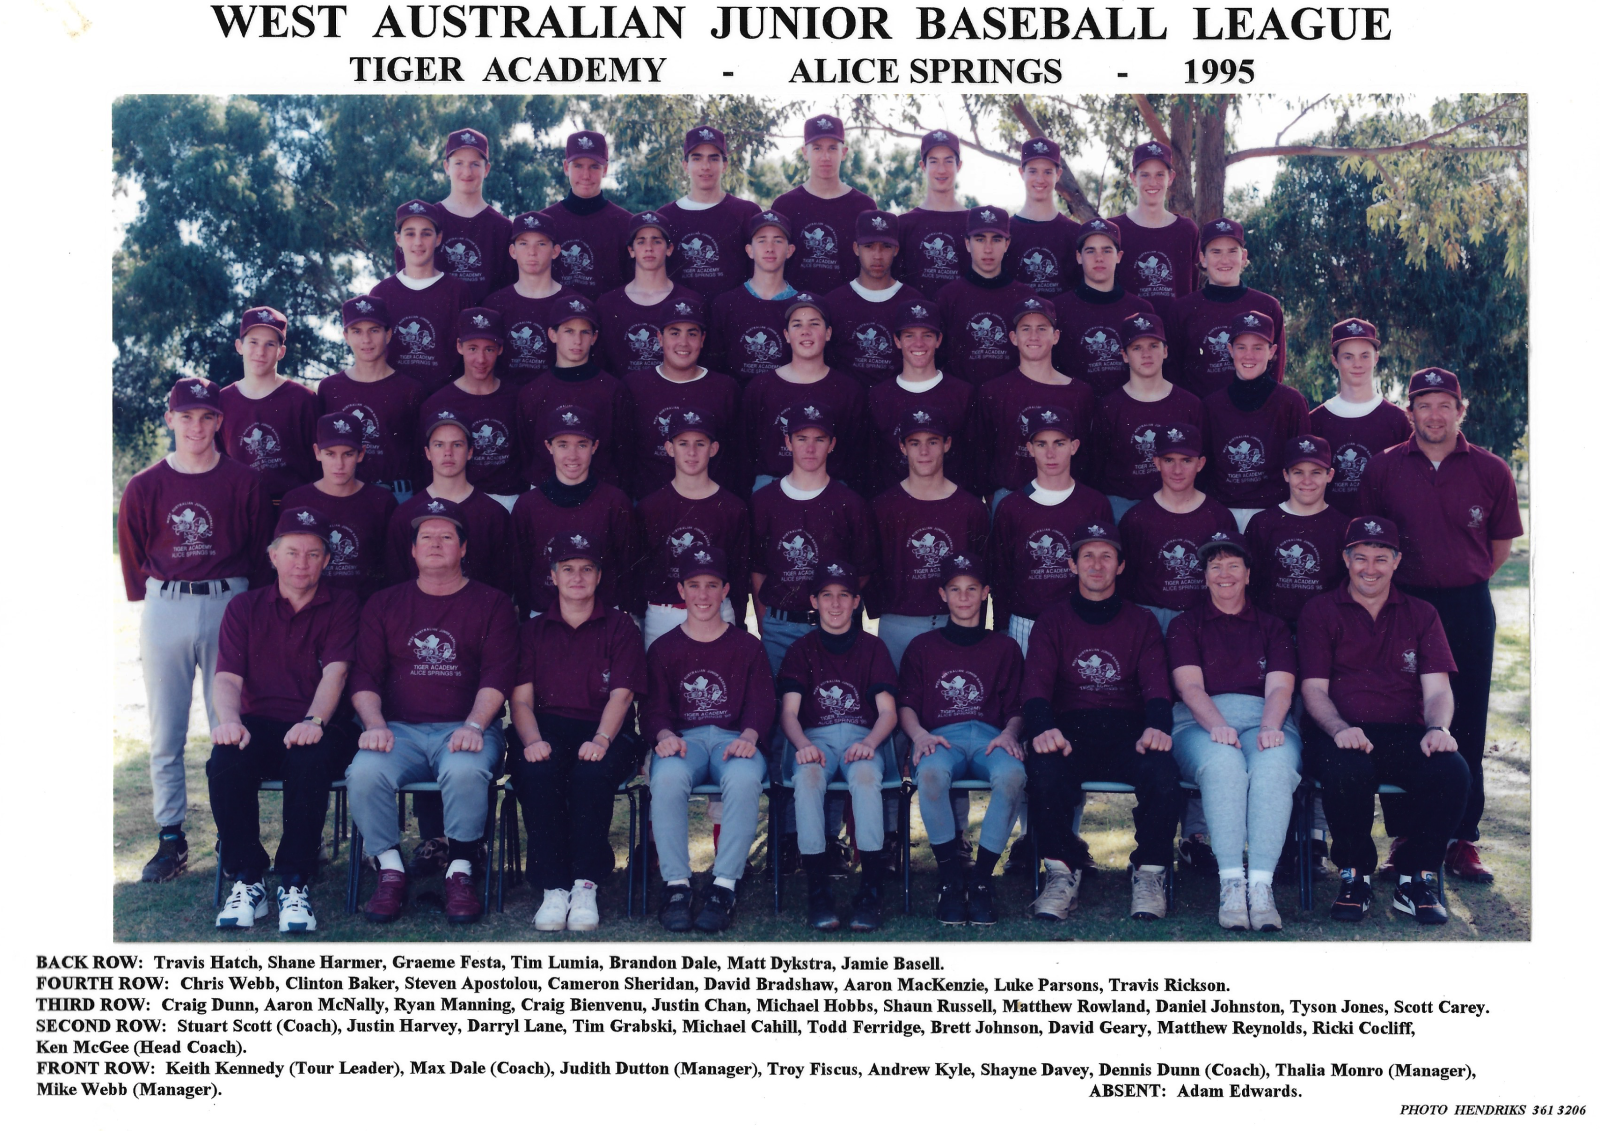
1151	868
724	882
389	860
463	867
677	883
1230	873
1258	876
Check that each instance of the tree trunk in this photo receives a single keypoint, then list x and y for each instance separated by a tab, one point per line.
1211	159
1180	197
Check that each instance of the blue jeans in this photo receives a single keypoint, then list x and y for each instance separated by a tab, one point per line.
865	778
897	632
421	754
965	758
778	636
1246	793
1164	617
672	779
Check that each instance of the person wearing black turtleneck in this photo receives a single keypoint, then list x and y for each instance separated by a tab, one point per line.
1090	316
975	307
1201	361
592	231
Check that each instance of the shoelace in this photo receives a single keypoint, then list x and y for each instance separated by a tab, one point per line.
242	896
294	900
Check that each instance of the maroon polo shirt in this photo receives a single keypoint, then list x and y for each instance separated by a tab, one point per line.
272	436
837	686
913	535
977	326
823	232
388	410
594	245
358	528
424	342
280	653
708	244
673	528
1044	254
1198	336
1125	432
476	250
603	515
863	331
933	249
1234	652
496	464
1162	552
768	397
427	657
947	683
998	426
1159	264
629	331
1374	668
1356	442
1079	666
1090	323
1244	450
488	556
789	537
1448	516
746	334
204	527
726	683
585	386
528	348
715	396
888	403
1295	557
575	670
1030	555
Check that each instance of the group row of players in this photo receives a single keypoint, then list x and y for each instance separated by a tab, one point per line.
1453	502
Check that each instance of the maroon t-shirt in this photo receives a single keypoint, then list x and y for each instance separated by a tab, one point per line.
726	683
913	535
863	332
575	670
628	331
528	348
358	528
272	436
1080	666
496	464
1162	552
1090	323
280	653
1158	264
947	683
708	244
823	232
1295	557
714	396
766	400
746	334
1449	515
1356	442
933	249
424	342
1244	450
673	529
427	657
1233	652
594	248
837	687
388	410
595	390
476	250
488	557
998	426
605	518
1125	432
1374	668
888	403
1198	336
789	538
977	327
178	527
1030	555
1044	254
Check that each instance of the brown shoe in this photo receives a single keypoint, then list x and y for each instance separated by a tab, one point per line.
390	898
1387	869
461	902
1462	860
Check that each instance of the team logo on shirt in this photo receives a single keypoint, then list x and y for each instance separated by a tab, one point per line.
490	442
960	689
1097	668
1474	518
938	251
703	693
837	699
192	526
577	260
435	648
417	338
761	344
927	546
1298	558
1352	461
644	345
1408	662
1040	267
1155	272
528	345
1217	342
1051	552
987	331
698	250
1245	454
872	341
1181	560
1103	345
262	445
369	427
343	548
821	245
799	549
464	258
1144	445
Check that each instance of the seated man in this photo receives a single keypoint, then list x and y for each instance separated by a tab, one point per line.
710	701
833	682
282	658
435	659
1375	675
959	685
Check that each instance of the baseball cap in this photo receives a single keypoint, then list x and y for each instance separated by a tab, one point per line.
691	308
987	218
338	429
1250	322
807	416
952	566
565	547
264	316
301	520
803	299
1224	539
824	125
914	420
835	571
1433	380
1036	420
1037	147
1100	227
1142	324
1178	439
587	143
688	420
650	220
1351	329
447	509
877	226
1222	228
1373	529
1096	532
1307	449
467	139
766	219
365	308
572	306
917	312
704	135
571	420
423	208
437	420
703	561
477	322
1033	305
193	392
1151	151
936	138
533	222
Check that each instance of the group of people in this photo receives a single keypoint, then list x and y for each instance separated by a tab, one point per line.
573	447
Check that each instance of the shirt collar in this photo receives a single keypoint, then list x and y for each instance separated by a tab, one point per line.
321	596
1412	447
1248	613
1342	595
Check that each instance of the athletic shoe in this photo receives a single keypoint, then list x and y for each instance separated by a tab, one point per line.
1233	910
1263	910
1149	895
1020	858
430	858
583	913
980	905
246	903
295	914
716	913
1388	868
819	909
1462	860
1060	893
1355	896
170	860
867	912
461	902
390	898
1195	851
1415	896
952	905
674	914
552	913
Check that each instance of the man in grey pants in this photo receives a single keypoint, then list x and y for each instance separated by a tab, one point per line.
190	529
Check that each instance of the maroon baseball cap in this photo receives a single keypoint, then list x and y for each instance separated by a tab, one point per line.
650	220
1222	229
688	420
952	566
1352	329
365	308
807	416
691	309
704	135
877	226
987	218
572	544
836	571
1036	420
1226	540
1178	439
266	316
1151	151
574	305
914	420
803	299
824	125
301	520
1100	227
437	420
936	138
477	322
467	139
1373	529
1096	532
768	219
447	509
571	420
1433	380
1142	324
1037	147
704	561
424	209
338	429
194	392
917	312
533	222
587	143
1307	449
1033	305
1250	322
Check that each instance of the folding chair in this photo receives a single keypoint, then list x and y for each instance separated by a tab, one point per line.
1169	880
341	814
783	794
511	840
705	789
352	899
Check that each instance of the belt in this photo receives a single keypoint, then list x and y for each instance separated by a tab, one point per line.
795	618
198	588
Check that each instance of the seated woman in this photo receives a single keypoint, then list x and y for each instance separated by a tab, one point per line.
1234	668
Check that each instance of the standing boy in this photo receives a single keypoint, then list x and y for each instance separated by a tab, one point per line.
823	209
863	308
423	301
474	232
356	514
632	316
1201	319
710	221
576	380
268	420
1128	420
933	250
974	307
487	404
384	402
1358	422
746	337
1160	262
1043	238
528	305
591	230
1090	316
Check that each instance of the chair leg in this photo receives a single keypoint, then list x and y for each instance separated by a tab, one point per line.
775	811
1033	842
645	840
633	824
352	887
216	896
905	847
1306	862
489	830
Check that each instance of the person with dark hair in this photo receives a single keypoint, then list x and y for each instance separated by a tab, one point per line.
384	401
487	404
475	233
423	300
357	513
590	230
823	208
269	421
633	316
863	311
975	307
529	306
933	234
708	254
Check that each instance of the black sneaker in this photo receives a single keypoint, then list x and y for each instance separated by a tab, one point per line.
839	853
674	914
1195	851
1355	896
867	914
980	906
819	910
430	858
952	904
717	911
170	860
1415	896
1020	859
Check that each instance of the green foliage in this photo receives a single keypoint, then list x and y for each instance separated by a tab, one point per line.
891	175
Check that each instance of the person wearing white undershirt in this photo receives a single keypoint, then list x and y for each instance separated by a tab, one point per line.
709	255
1358	422
862	309
423	301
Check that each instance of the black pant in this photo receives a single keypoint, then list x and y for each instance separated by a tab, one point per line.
566	803
1102	750
306	771
1436	792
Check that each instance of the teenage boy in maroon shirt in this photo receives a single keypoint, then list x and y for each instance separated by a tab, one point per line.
1043	239
974	308
631	317
1375	676
529	305
933	248
283	654
863	309
487	404
710	221
746	336
591	230
823	209
1357	422
1097	705
357	514
423	301
268	420
384	401
920	386
1296	546
1456	506
474	231
576	380
1159	246
579	670
1090	316
190	531
1128	420
1201	319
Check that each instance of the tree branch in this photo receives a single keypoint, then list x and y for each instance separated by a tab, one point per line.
1279	139
1066	184
1152	120
1361	151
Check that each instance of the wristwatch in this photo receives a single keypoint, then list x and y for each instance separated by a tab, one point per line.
313	720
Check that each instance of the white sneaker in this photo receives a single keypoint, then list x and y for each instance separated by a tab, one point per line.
1149	894
1060	893
1263	910
1233	913
552	913
584	913
246	903
295	913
